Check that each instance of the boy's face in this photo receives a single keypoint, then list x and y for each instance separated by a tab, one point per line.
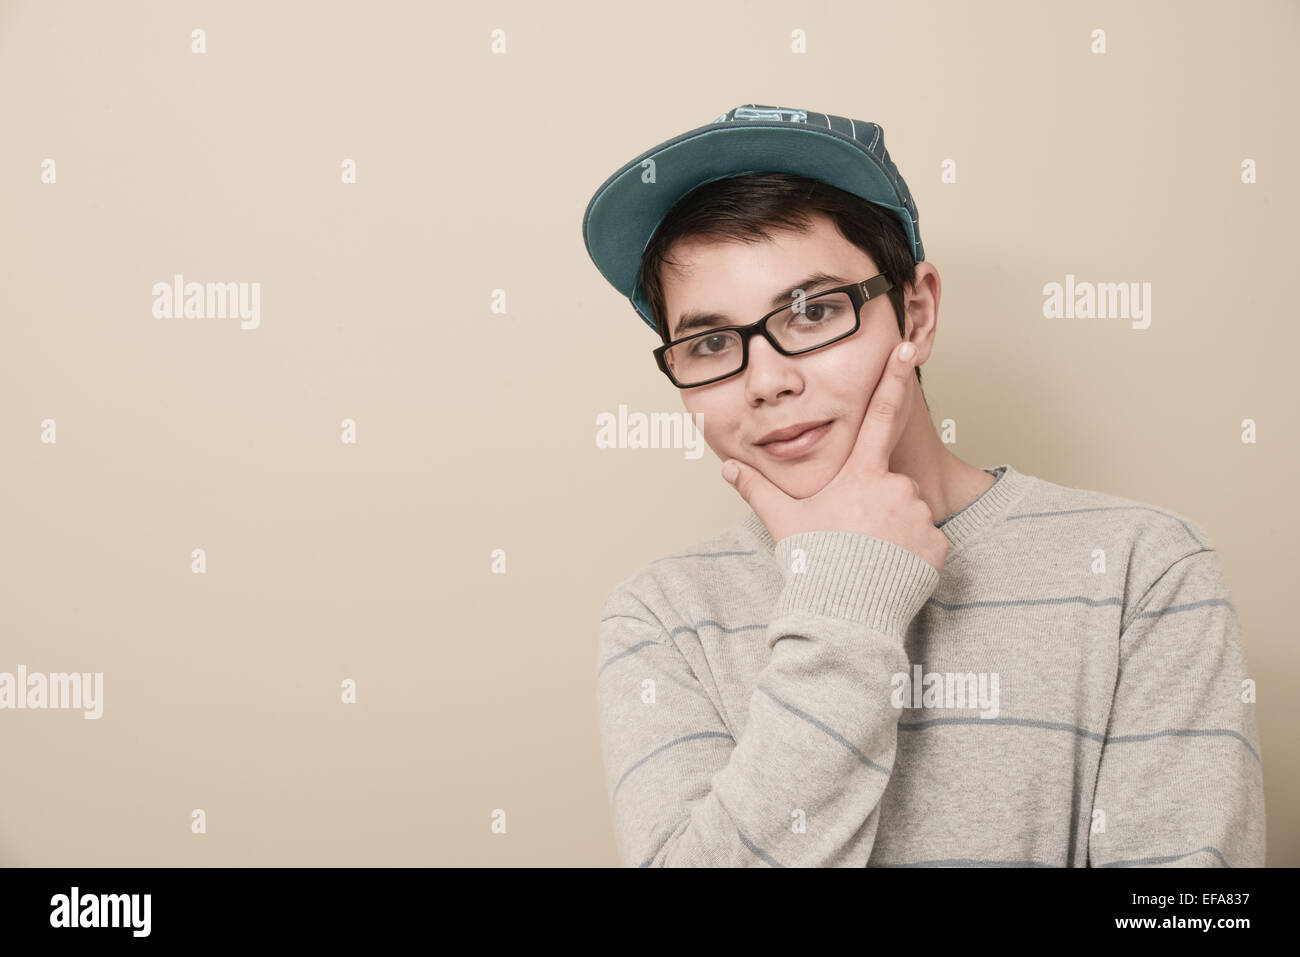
774	391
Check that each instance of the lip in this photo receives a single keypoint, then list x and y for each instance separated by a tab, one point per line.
800	445
790	431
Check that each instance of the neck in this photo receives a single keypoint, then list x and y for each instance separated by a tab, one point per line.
946	483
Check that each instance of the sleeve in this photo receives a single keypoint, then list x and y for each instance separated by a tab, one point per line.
1180	783
802	784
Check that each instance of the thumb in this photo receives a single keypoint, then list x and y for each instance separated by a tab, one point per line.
753	487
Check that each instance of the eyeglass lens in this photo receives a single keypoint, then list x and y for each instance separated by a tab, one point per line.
805	324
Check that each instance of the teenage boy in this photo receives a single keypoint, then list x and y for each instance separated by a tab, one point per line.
1044	675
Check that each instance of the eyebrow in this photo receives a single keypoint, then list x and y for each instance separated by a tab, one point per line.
692	320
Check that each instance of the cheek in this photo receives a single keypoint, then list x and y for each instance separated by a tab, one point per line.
845	384
856	379
720	433
724	439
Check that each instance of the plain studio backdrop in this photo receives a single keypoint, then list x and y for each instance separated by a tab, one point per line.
441	310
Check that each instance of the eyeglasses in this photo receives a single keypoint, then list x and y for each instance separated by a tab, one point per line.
808	323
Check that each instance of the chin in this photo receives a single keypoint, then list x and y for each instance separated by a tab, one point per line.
804	486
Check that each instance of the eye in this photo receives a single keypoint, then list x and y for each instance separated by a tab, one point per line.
701	347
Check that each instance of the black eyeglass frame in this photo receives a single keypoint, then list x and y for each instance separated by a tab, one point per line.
859	293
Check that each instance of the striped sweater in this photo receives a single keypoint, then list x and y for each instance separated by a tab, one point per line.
1071	691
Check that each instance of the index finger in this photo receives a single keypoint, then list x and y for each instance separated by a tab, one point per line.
886	416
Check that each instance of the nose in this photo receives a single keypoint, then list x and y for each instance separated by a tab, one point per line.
768	373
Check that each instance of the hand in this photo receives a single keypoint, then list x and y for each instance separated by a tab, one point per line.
864	497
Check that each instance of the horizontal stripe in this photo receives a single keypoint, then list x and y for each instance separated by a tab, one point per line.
623	654
1017	602
947	606
697	736
1130	738
1175	609
710	623
829	730
1021	722
702	555
965	862
1109	508
762	855
1144	861
1074	729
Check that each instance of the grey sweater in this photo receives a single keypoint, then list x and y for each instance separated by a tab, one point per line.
1071	691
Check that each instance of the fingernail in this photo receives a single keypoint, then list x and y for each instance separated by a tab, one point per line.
906	351
729	471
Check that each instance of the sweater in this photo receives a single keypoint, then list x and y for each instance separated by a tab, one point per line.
1070	691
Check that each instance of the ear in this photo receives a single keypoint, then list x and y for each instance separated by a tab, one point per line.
921	310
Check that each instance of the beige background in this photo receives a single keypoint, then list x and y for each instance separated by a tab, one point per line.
372	561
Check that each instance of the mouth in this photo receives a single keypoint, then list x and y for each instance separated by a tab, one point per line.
797	445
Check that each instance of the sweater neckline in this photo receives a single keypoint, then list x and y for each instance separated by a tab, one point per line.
961	527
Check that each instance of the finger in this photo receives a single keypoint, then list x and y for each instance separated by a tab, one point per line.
886	416
763	497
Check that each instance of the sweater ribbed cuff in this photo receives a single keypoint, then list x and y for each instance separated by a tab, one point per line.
857	577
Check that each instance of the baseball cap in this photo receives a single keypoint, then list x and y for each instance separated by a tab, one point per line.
625	211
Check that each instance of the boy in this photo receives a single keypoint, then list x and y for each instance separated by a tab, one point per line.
895	658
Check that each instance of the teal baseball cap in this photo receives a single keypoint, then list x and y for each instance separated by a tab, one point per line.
625	211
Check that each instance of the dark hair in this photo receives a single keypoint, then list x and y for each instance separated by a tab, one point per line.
748	207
